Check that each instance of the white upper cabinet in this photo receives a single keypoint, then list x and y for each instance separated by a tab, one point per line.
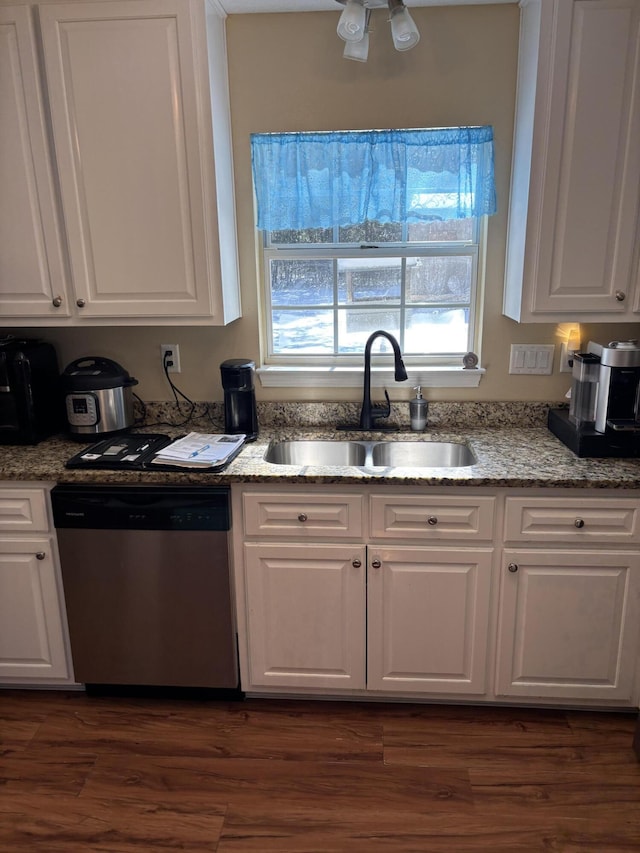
32	270
572	251
137	91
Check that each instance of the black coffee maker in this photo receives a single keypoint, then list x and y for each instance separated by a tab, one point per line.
240	413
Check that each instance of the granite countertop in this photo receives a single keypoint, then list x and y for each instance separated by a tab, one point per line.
512	457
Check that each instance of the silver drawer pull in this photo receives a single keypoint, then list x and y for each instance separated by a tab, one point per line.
432	520
40	555
57	301
579	522
80	303
303	517
620	295
513	567
375	564
356	564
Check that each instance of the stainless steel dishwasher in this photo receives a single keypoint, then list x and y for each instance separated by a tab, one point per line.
146	580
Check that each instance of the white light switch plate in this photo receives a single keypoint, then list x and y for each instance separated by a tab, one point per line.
532	359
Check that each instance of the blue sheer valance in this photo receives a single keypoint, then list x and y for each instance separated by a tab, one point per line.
318	180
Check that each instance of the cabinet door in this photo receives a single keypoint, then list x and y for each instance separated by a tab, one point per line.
577	144
428	619
305	615
32	272
569	624
125	95
32	644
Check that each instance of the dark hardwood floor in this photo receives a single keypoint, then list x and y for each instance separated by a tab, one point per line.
113	774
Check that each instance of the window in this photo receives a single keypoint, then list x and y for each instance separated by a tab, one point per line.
367	230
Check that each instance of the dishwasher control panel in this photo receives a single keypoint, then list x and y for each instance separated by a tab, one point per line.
141	507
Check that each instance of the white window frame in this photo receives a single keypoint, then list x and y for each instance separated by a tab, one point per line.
345	371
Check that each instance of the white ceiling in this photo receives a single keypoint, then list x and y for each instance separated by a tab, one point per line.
237	7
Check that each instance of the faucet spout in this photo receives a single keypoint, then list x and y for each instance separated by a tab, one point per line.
369	411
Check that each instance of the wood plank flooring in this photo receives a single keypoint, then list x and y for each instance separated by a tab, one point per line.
119	775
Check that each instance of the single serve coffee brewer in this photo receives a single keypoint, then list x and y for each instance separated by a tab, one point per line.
604	413
240	411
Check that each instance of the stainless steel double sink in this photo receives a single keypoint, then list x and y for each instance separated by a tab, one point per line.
370	454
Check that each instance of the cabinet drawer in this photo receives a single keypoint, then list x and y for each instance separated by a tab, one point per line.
571	520
431	518
23	510
303	514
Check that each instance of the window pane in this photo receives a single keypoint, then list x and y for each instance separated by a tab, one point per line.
369	280
355	325
440	232
440	279
371	232
303	282
436	330
302	332
304	237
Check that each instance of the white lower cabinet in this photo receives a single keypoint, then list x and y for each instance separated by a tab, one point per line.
33	633
358	615
428	619
305	615
569	624
423	612
503	595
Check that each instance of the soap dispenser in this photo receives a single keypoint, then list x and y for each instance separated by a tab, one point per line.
418	411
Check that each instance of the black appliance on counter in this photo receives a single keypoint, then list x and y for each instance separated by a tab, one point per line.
240	411
603	419
30	404
147	586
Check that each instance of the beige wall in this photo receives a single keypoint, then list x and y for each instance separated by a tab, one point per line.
287	73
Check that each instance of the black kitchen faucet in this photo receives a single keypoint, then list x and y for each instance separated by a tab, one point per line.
370	412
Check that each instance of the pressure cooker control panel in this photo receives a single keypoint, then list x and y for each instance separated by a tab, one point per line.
82	409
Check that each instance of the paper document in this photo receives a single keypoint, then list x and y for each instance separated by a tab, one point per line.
199	450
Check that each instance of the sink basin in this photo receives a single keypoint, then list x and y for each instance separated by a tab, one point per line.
370	454
421	454
309	452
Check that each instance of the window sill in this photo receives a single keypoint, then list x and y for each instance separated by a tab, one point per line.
351	377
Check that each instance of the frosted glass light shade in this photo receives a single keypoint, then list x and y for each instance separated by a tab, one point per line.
404	32
353	21
358	50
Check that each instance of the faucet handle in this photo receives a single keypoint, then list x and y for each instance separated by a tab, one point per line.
382	410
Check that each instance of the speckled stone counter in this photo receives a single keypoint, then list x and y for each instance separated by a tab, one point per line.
514	457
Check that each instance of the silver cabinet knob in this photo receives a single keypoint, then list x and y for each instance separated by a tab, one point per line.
356	564
620	295
40	555
513	567
57	301
579	522
375	564
303	517
80	303
432	520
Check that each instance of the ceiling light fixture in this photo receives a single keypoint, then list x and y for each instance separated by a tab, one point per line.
353	21
353	26
359	50
403	29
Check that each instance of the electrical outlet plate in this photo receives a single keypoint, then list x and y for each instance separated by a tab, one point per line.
566	356
174	349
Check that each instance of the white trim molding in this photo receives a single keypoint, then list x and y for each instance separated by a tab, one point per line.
351	377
